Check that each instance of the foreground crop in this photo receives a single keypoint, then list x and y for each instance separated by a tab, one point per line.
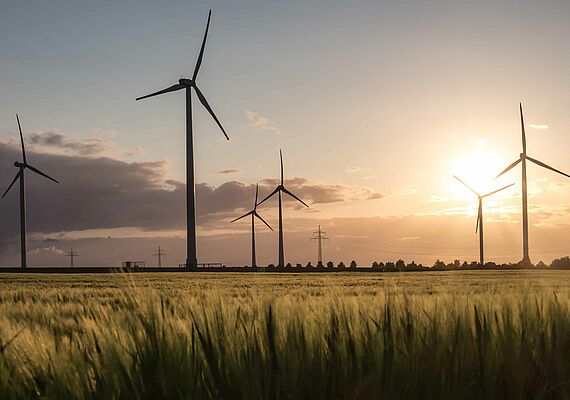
294	340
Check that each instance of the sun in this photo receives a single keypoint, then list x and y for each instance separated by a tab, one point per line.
478	169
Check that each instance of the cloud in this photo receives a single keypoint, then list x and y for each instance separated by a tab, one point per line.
57	143
322	193
104	194
539	126
406	238
260	122
228	171
47	250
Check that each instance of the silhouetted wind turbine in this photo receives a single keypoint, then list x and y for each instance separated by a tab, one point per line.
479	225
278	190
522	159
22	166
188	85
253	214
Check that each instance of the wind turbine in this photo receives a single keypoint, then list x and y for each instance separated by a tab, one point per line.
479	225
22	166
188	85
253	214
522	159
278	190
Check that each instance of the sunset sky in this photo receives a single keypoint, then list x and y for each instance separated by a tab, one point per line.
374	104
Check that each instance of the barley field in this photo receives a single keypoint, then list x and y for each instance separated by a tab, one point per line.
431	335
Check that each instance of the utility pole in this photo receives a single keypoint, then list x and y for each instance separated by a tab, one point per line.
71	254
159	253
319	236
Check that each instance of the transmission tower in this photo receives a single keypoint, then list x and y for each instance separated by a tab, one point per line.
71	254
319	236
159	253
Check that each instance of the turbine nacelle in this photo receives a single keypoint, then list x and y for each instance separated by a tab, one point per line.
19	164
187	82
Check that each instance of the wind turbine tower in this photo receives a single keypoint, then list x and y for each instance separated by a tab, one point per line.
188	85
254	214
159	253
22	167
279	190
71	254
320	237
523	158
479	226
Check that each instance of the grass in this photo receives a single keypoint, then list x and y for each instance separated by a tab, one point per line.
448	335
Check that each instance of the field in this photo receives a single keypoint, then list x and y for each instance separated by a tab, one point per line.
448	335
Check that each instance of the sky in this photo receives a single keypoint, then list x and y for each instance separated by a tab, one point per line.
375	104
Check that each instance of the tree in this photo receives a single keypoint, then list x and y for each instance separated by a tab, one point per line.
561	263
413	266
353	264
400	265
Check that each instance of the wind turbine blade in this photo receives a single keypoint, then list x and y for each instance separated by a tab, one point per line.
262	220
272	193
201	55
207	107
509	168
243	216
281	158
295	197
479	212
37	171
21	139
256	192
12	184
466	185
522	130
546	166
172	88
498	190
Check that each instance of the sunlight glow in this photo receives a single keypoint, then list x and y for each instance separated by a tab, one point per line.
478	169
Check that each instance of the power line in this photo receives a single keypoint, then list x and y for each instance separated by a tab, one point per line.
319	236
71	254
159	253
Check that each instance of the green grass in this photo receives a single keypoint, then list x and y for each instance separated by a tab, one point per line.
448	335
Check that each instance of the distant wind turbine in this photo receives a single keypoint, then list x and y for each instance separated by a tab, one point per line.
479	225
253	214
278	190
22	166
522	159
188	85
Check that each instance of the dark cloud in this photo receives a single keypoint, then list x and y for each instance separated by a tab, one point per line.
50	141
228	171
105	193
322	193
